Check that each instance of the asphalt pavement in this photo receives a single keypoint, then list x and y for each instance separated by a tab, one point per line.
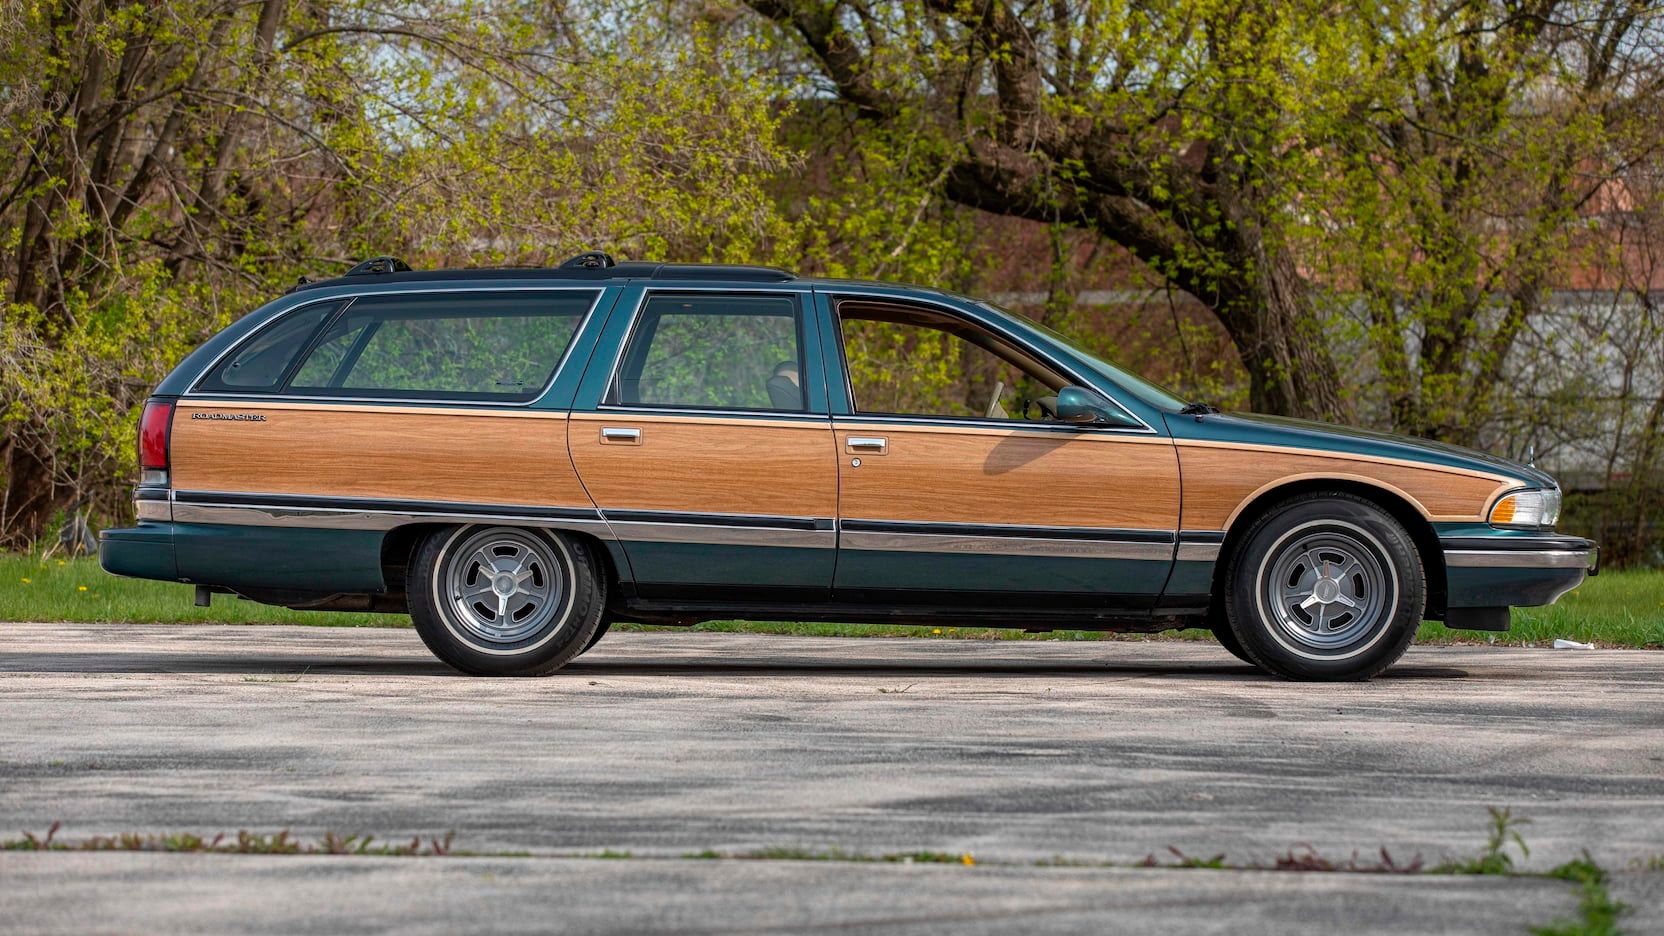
1040	760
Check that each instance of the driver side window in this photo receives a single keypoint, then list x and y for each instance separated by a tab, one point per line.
904	361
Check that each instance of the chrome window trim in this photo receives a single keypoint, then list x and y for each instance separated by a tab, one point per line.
624	412
647	292
566	355
833	295
1012	425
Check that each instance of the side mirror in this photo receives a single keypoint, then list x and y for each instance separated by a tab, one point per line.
1087	407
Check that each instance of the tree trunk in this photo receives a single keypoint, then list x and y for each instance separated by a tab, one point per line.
1282	345
30	496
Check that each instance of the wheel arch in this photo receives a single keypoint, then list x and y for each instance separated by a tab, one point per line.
1396	503
398	550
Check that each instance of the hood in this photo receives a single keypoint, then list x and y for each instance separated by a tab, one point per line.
1256	429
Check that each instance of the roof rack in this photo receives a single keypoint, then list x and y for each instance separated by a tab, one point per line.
593	265
593	260
377	265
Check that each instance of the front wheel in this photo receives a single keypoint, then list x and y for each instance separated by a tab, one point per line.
506	601
1325	586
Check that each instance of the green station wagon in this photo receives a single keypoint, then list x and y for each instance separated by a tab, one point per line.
520	458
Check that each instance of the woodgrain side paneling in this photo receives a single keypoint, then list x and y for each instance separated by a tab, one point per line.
708	465
409	453
1219	480
978	475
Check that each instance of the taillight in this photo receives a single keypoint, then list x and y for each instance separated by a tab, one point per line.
154	425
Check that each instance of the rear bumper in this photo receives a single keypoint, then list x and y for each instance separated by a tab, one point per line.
1515	570
144	551
320	561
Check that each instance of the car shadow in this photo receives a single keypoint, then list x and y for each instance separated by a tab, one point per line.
1228	670
278	667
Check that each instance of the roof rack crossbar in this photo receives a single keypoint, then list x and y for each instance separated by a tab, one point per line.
592	266
379	265
590	260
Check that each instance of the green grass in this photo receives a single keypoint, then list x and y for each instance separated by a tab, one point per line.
1624	609
32	589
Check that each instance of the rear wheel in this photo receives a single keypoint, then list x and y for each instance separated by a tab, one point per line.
1227	638
505	601
600	631
1325	586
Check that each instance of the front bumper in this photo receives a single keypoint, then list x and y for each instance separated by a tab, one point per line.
1511	570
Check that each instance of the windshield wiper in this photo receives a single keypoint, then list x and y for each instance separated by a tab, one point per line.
1198	409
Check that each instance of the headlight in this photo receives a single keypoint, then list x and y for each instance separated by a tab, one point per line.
1531	510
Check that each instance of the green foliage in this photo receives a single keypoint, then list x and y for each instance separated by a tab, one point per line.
1367	211
52	589
1618	609
173	166
1495	859
1598	912
243	843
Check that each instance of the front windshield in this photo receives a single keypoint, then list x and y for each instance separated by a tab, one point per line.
1148	391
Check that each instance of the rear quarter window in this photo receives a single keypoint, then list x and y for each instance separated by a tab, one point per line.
263	362
499	346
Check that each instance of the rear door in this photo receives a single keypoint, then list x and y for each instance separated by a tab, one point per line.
701	431
956	485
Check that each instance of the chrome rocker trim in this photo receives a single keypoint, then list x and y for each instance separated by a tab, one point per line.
1002	540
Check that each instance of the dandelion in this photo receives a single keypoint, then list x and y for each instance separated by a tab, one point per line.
60	562
80	588
27	581
966	859
934	630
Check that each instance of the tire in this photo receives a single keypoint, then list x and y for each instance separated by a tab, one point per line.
1325	586
600	631
462	614
1227	638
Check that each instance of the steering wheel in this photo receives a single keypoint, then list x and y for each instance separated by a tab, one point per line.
1047	405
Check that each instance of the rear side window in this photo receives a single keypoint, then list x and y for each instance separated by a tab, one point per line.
714	352
490	346
261	363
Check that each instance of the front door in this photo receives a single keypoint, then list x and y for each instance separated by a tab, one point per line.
957	484
708	447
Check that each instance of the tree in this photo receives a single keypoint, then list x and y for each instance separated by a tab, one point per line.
172	164
1287	164
1458	197
1174	128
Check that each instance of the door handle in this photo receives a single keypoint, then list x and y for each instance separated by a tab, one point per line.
620	435
876	445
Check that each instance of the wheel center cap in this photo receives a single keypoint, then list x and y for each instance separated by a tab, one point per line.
503	584
1326	590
